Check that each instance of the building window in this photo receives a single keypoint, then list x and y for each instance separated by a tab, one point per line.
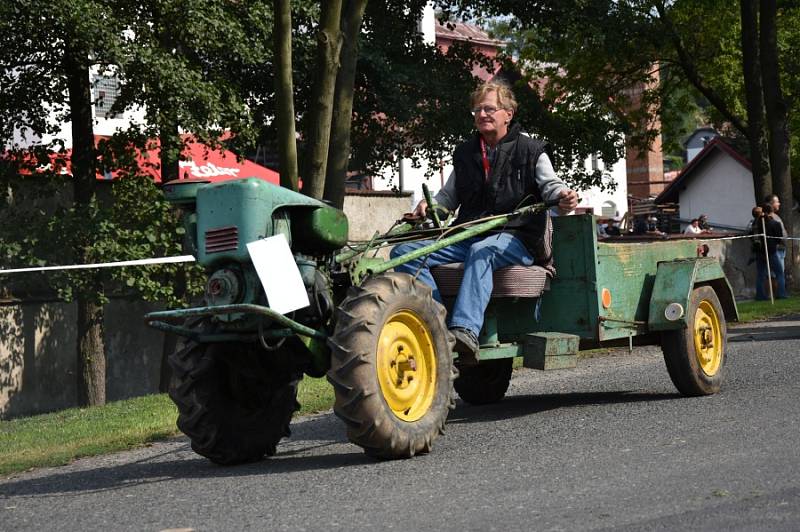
609	209
105	90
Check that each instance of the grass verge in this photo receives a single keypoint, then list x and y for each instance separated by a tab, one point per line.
762	310
58	438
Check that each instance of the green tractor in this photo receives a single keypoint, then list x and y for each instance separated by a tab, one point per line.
381	338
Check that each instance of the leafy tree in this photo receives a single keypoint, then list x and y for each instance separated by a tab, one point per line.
46	54
737	58
411	99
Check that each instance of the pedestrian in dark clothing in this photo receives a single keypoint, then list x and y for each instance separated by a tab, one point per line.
775	203
774	234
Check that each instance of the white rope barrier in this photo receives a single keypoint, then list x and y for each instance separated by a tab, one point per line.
707	239
138	262
190	258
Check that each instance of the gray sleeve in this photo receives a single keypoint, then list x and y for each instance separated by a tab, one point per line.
447	197
549	184
783	227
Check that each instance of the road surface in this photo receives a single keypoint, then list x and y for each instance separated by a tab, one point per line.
609	445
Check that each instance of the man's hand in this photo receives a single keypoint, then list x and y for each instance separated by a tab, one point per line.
568	200
421	209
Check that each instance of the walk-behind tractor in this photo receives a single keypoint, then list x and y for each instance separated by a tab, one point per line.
381	338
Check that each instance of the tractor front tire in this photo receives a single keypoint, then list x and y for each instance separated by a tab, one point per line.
484	383
234	400
392	366
695	356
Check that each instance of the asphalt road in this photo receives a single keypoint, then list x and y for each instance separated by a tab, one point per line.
608	445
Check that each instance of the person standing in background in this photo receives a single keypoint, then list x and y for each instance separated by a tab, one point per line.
774	234
775	203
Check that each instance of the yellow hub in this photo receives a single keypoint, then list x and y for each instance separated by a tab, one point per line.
406	365
707	338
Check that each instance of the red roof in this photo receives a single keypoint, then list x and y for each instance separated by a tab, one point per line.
462	31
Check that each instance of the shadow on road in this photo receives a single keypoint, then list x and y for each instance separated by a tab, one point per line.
172	465
317	443
761	334
526	405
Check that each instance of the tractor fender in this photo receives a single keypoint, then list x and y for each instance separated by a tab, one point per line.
673	287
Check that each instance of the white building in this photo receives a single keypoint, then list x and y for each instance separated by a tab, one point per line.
105	90
718	182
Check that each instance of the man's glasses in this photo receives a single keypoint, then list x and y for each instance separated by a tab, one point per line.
489	110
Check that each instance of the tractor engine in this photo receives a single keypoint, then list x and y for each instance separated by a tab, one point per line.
222	218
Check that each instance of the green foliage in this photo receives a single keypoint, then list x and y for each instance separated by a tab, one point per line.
597	50
129	219
192	74
411	100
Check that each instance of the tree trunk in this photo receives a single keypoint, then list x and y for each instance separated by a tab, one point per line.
91	353
339	153
751	68
169	138
284	92
329	43
777	124
169	150
169	343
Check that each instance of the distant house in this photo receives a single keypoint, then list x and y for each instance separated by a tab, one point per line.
717	182
698	140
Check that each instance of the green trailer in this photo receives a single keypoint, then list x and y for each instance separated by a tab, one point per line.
381	338
607	293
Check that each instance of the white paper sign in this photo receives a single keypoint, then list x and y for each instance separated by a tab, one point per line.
278	273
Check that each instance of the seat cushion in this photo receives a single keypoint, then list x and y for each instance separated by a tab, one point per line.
512	281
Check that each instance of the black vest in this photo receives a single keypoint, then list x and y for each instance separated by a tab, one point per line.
511	184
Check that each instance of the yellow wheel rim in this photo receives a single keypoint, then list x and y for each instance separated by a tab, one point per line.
406	365
707	338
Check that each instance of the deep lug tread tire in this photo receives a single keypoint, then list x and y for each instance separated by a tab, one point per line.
484	383
360	402
234	402
680	355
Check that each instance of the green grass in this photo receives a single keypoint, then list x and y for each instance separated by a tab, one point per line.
57	439
315	395
761	310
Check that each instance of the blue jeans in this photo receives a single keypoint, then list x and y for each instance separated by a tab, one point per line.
481	256
776	268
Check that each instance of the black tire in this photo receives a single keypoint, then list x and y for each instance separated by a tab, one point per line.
695	356
383	329
484	383
235	401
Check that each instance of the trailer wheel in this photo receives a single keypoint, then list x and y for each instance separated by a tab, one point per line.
234	400
484	383
695	356
392	366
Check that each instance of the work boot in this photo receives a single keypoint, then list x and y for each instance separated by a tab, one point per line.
466	345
